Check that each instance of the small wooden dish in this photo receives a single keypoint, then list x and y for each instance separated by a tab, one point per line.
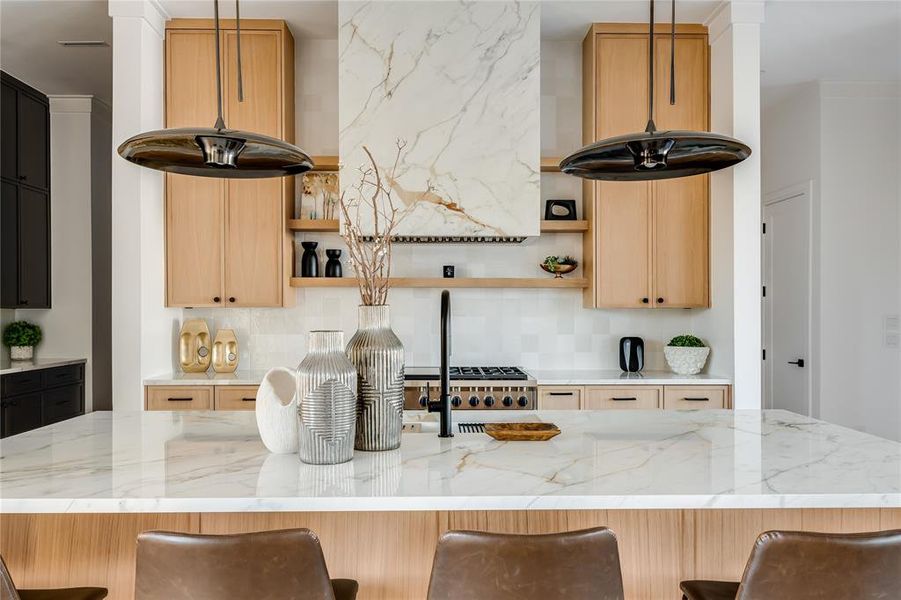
522	432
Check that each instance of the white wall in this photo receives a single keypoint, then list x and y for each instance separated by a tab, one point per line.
830	133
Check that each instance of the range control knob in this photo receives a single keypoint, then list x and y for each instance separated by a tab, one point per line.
489	401
523	401
507	401
423	400
473	400
456	401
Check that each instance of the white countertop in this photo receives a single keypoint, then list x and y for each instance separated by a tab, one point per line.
544	377
215	461
17	366
617	377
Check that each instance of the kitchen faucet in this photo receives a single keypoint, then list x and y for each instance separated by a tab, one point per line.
443	404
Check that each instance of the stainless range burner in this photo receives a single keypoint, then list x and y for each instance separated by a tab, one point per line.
472	388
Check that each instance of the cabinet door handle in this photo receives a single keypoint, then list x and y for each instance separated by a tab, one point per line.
248	399
659	300
179	399
696	399
216	299
59	402
624	399
799	363
560	393
23	177
231	299
645	300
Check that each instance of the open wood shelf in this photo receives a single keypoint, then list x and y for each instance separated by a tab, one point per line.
564	226
455	282
550	164
322	225
325	163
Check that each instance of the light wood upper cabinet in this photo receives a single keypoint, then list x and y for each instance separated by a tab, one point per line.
227	241
648	242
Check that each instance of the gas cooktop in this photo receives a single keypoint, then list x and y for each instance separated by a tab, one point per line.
468	373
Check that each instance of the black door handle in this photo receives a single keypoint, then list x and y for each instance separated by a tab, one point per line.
799	362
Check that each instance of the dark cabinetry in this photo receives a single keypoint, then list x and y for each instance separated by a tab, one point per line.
32	399
25	211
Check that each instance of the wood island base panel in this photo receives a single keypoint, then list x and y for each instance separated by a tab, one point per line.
390	553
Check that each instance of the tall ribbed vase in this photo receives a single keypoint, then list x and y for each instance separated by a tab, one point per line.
378	357
327	401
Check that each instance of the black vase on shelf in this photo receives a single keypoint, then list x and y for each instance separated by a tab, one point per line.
333	265
309	262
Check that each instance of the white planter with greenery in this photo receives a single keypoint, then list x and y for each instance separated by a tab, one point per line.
686	354
21	337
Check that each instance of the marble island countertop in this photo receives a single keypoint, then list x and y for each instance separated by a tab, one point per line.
543	376
215	462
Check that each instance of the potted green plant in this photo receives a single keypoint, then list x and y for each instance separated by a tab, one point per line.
559	266
686	354
21	337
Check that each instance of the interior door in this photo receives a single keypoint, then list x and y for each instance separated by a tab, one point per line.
787	274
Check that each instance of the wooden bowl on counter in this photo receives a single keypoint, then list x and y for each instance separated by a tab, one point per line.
558	270
522	432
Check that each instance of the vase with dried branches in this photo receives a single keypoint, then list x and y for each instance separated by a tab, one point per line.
375	350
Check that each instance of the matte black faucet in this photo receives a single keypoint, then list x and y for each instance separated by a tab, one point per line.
443	404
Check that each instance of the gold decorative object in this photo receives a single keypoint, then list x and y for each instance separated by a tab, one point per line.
522	432
194	346
225	351
558	270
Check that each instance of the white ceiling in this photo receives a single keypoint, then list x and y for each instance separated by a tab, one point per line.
839	40
29	31
802	40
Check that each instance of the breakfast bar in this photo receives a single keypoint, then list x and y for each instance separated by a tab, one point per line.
686	492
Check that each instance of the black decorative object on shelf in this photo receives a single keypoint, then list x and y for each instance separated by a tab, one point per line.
333	265
448	271
309	262
631	354
560	210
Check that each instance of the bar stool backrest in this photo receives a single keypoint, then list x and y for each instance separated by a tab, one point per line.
578	565
269	565
792	564
7	587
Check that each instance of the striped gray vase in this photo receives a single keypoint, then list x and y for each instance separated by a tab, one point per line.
327	401
378	357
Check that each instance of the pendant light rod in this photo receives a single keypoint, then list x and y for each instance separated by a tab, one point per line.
238	27
650	128
672	57
220	123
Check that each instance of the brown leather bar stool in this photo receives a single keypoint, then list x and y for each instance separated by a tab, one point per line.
812	566
8	590
269	565
578	565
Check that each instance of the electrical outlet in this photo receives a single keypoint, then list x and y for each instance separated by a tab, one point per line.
891	331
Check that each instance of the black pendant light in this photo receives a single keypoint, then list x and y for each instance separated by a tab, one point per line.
653	154
216	151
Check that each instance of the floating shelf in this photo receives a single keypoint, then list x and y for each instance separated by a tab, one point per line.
322	225
456	282
550	164
564	226
325	163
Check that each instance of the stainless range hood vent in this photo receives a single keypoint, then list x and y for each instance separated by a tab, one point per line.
452	239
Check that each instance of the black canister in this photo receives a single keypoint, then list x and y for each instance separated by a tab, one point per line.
631	354
309	262
333	265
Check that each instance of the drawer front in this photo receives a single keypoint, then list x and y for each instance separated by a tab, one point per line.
682	397
562	397
63	375
21	383
63	403
170	397
229	397
20	414
627	397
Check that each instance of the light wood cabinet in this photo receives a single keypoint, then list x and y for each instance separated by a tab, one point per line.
559	398
172	397
227	241
648	242
686	397
236	397
623	397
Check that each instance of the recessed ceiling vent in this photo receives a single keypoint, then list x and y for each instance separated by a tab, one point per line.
83	43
